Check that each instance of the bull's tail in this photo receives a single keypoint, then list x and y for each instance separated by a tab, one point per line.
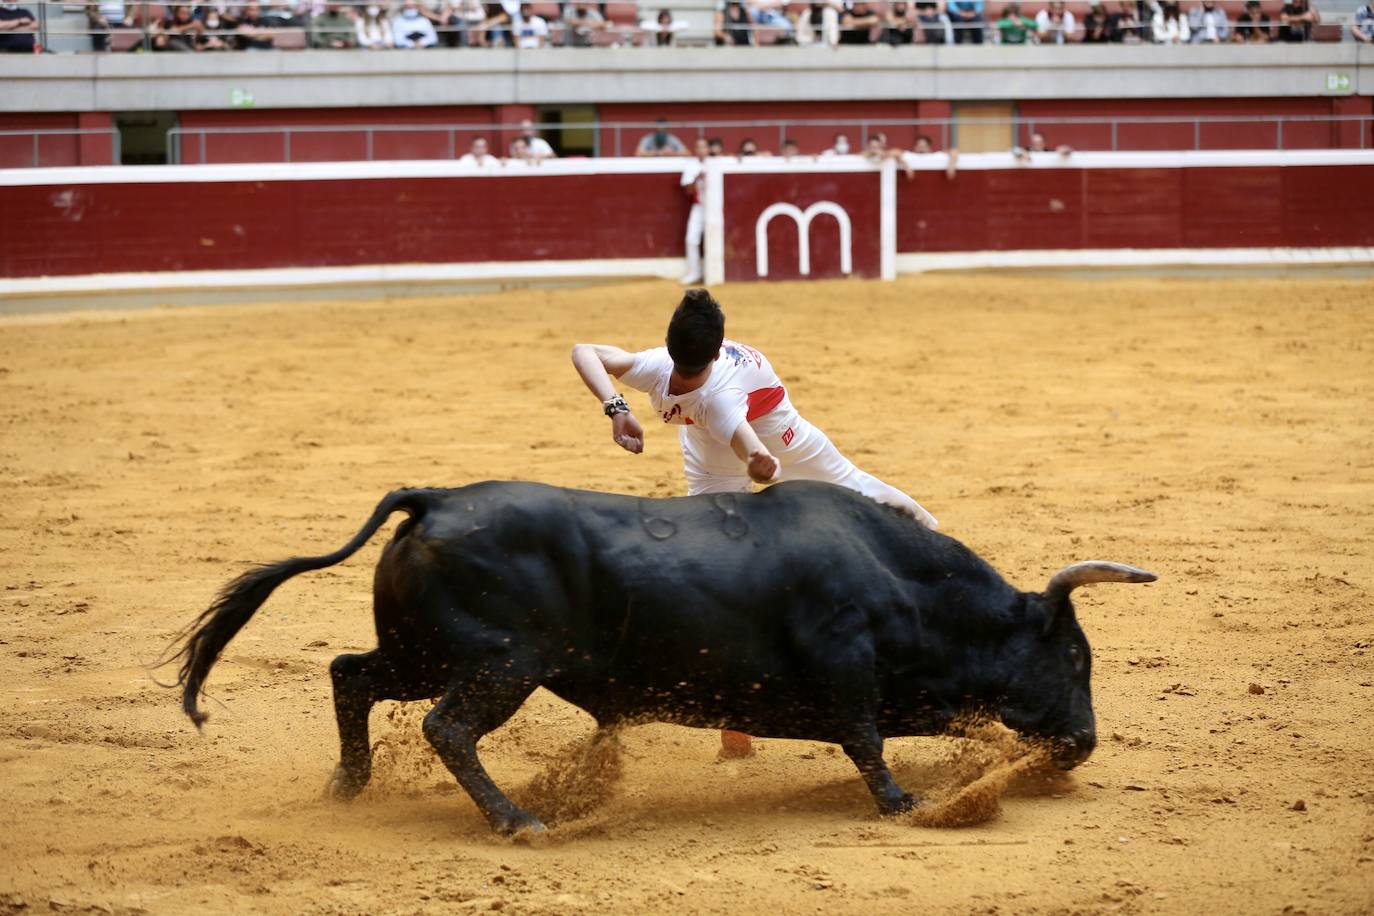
209	633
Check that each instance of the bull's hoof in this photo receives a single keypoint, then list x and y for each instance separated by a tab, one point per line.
520	825
889	807
344	785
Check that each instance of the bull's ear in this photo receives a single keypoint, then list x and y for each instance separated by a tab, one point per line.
1089	571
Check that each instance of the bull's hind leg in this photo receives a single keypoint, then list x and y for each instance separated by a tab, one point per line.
360	681
473	706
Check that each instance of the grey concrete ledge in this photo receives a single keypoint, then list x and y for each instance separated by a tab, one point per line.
327	79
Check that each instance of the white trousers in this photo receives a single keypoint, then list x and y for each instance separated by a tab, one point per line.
696	230
804	453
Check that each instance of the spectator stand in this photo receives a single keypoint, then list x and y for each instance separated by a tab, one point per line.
64	27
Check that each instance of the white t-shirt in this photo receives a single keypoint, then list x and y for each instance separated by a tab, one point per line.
470	159
533	33
742	387
695	174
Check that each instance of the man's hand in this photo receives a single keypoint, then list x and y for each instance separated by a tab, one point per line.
762	466
627	432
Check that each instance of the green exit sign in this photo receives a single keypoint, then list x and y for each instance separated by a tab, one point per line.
242	98
1340	83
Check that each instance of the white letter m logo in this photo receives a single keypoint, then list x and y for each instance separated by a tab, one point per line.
803	221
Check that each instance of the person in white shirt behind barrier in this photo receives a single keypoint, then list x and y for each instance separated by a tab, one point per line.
479	154
736	425
694	185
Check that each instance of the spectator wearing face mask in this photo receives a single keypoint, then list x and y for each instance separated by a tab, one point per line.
373	29
1208	24
660	143
411	29
840	147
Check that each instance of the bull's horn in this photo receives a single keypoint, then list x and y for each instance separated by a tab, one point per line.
1070	577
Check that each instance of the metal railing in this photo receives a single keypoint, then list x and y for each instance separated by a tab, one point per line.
448	141
18	145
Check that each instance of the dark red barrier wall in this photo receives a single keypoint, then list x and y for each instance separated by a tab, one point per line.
99	228
1051	208
748	195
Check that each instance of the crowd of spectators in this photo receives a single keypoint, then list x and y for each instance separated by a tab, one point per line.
414	24
898	22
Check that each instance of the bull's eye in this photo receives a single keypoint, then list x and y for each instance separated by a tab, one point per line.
1076	656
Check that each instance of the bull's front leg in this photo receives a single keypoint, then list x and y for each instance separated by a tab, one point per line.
866	750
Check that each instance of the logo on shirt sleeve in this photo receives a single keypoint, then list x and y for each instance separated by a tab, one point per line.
787	437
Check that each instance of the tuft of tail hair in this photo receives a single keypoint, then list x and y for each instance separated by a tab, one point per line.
208	635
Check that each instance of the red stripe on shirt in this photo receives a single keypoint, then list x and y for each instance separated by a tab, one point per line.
762	401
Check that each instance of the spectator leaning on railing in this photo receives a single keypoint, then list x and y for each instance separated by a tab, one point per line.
1363	26
16	29
103	16
412	30
1014	28
1252	25
333	29
253	30
660	142
1208	24
858	21
933	19
374	28
1169	26
899	24
1296	20
1100	26
732	23
967	18
1055	25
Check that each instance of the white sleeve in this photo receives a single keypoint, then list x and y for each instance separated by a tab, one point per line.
690	174
648	366
724	412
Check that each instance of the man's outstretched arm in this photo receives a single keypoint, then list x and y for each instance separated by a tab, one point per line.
596	363
747	446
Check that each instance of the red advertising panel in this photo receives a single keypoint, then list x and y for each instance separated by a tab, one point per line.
812	225
217	225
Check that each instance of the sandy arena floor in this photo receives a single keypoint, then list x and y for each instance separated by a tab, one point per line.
1220	433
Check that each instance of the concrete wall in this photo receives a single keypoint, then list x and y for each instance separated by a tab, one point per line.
346	79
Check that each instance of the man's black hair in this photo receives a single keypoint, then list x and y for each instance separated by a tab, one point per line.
695	332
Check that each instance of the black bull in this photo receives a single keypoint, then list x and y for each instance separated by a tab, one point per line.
803	611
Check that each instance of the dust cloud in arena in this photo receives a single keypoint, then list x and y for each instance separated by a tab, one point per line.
1216	431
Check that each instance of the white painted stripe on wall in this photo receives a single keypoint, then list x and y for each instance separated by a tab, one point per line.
911	263
443	168
340	276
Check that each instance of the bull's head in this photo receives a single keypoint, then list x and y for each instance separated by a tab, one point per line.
1049	694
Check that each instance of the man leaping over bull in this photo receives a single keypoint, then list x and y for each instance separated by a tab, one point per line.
735	421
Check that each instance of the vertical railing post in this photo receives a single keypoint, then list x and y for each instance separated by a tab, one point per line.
617	140
116	151
452	144
202	147
1197	134
368	134
1278	133
286	145
782	134
1114	122
35	149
